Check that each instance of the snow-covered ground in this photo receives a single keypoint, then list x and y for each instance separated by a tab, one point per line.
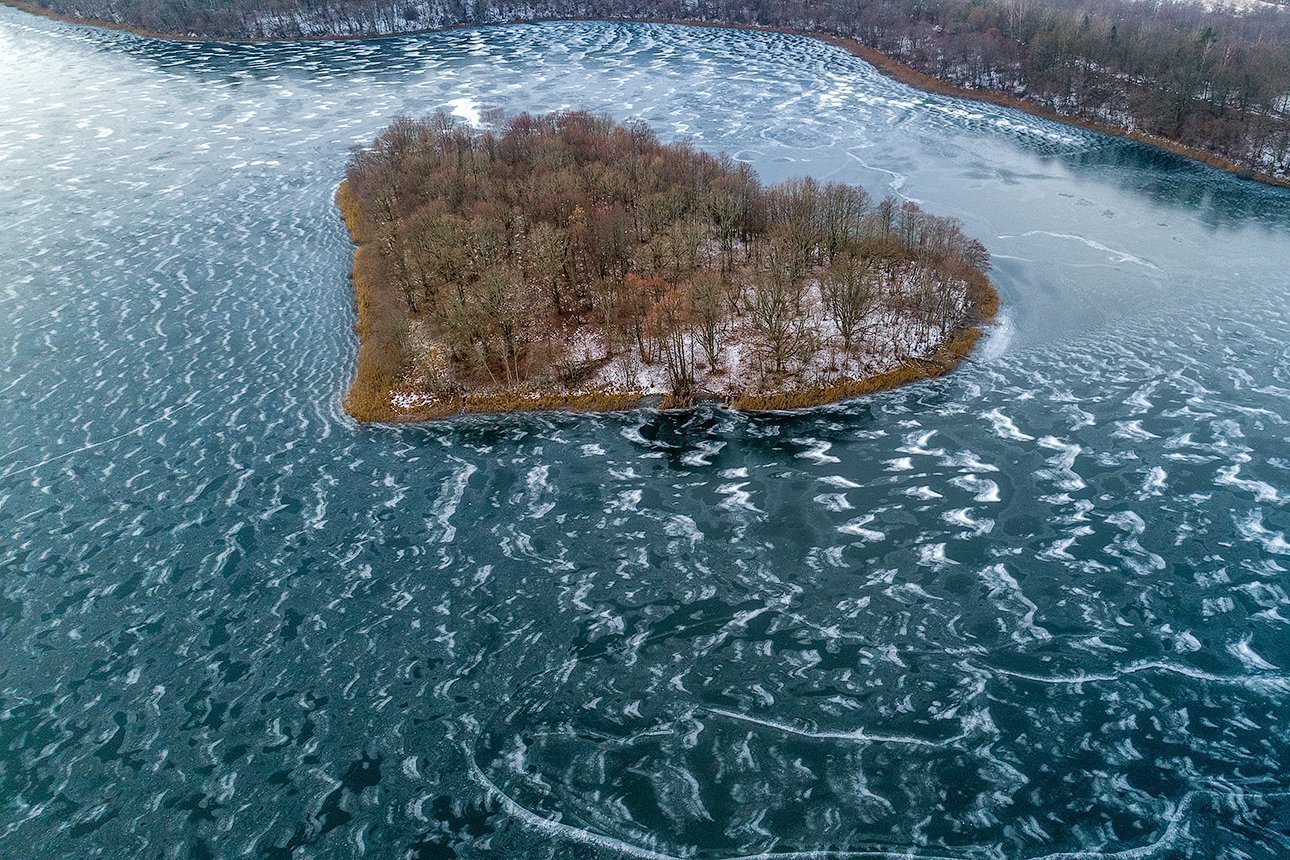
890	335
1234	4
889	338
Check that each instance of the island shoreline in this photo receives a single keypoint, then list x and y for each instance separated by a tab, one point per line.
884	63
368	402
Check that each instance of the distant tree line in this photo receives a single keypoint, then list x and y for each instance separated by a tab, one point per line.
566	243
1213	79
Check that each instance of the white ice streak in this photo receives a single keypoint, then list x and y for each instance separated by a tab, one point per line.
916	443
1242	651
557	828
833	502
736	497
1006	592
144	426
1062	464
1267	683
817	451
859	735
702	452
1114	255
933	555
1132	430
1252	529
451	492
1004	427
537	485
1154	484
1263	491
986	491
962	518
1174	832
466	108
1135	555
858	527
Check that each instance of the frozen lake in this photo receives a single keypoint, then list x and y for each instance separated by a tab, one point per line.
1037	608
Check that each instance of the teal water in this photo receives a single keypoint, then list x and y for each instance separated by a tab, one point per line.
1037	608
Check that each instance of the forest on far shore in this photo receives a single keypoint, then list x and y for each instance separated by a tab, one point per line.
569	255
1212	78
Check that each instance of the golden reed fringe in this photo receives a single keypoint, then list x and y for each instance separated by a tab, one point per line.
379	351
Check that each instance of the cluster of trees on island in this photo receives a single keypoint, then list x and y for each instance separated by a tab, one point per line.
1214	79
569	253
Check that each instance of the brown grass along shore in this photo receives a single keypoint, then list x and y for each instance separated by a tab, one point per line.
378	367
884	63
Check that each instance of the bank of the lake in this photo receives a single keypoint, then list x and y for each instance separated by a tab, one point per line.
887	64
927	83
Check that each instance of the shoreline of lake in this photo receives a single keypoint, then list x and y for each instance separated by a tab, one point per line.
884	63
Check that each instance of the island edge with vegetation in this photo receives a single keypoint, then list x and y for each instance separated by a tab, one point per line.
569	262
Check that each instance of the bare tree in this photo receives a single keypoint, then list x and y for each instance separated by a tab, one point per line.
776	300
842	210
849	288
669	324
708	297
548	259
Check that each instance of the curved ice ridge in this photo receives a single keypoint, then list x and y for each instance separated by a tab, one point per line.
1278	682
854	735
611	843
1167	839
1171	836
92	445
1115	255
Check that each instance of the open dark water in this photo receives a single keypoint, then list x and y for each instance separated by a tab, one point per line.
1036	609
